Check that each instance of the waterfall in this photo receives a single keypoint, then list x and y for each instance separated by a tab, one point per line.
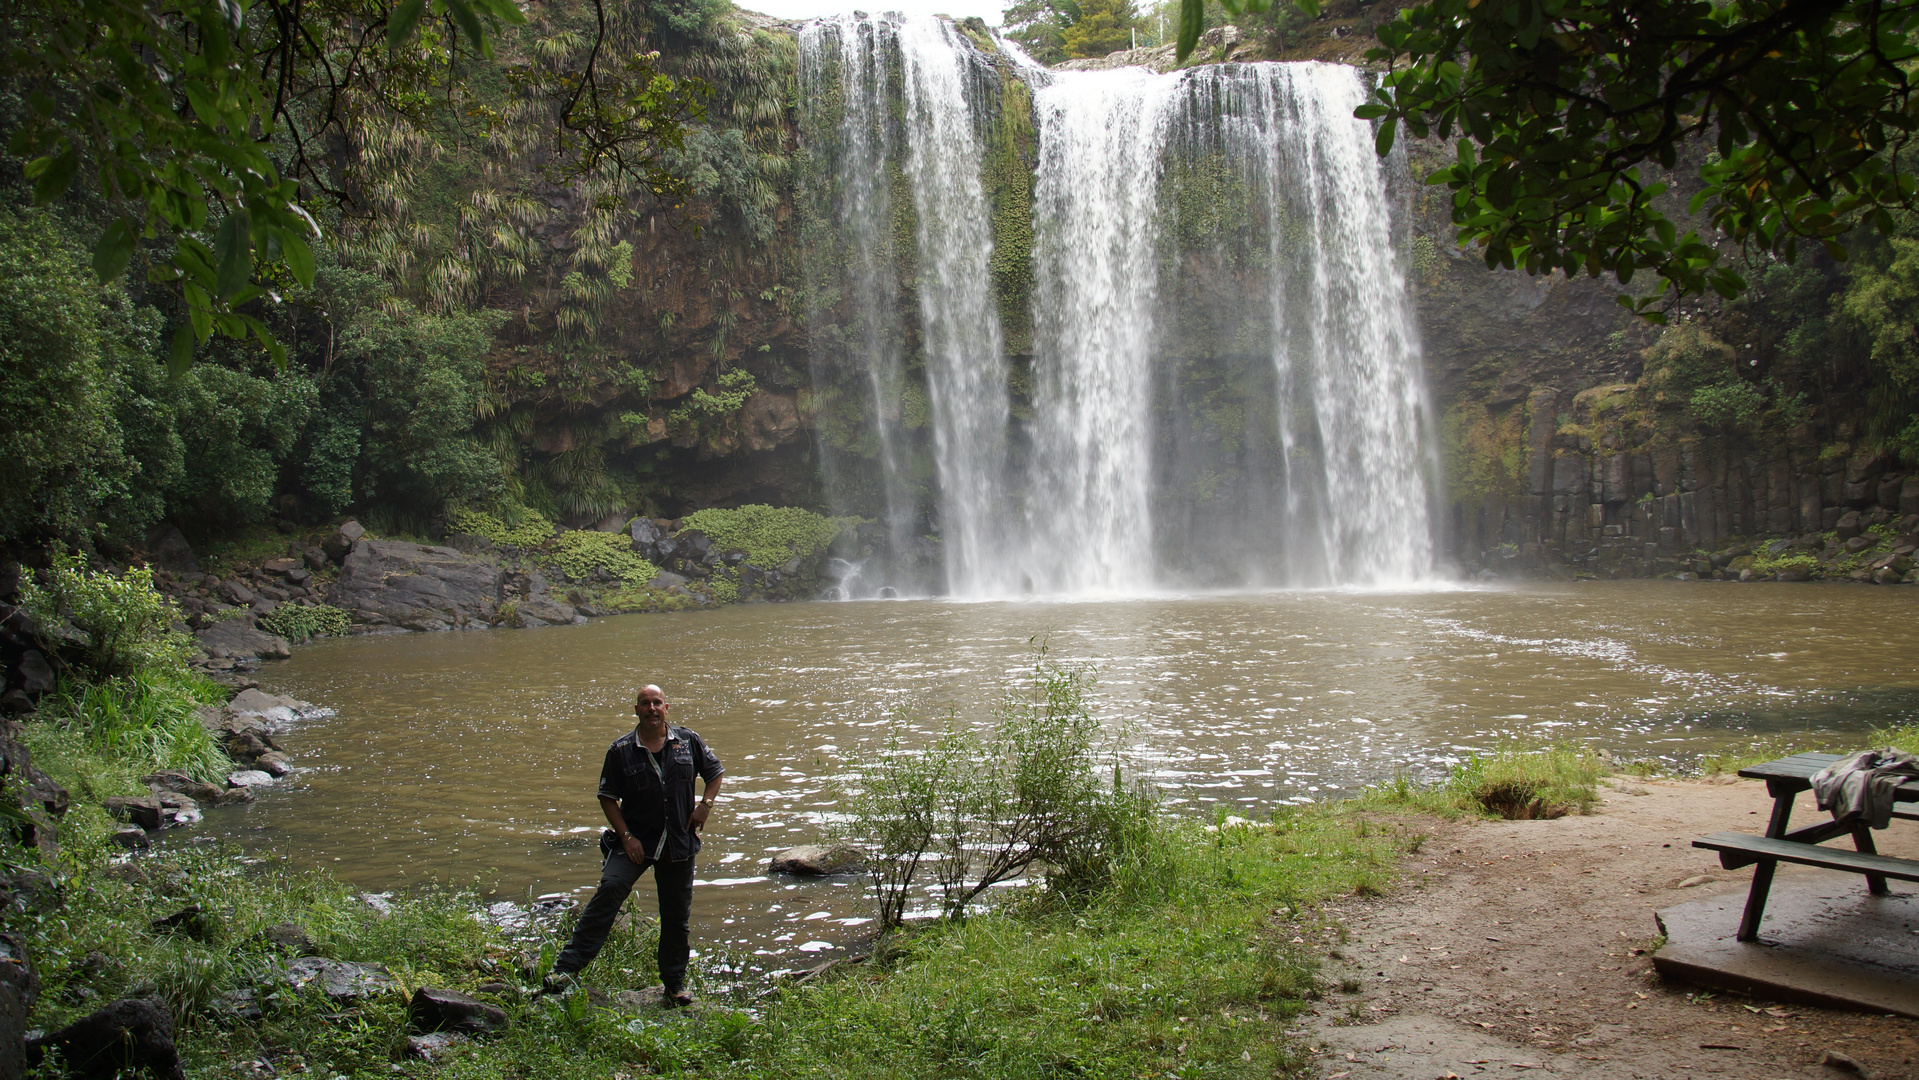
1096	261
1344	345
846	61
1224	385
965	368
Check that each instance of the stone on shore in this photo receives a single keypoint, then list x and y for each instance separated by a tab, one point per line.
448	1010
432	1045
274	764
341	540
126	1037
819	860
339	980
416	586
235	639
249	778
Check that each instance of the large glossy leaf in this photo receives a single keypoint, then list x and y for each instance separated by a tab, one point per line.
113	250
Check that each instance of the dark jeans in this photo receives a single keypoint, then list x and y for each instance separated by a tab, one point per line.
617	878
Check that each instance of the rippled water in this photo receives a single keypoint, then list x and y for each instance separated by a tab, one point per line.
472	757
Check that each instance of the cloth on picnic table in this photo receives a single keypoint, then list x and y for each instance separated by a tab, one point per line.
1864	784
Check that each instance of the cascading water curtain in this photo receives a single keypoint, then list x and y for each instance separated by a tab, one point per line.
846	84
959	323
1345	345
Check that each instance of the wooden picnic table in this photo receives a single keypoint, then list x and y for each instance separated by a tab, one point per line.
1785	779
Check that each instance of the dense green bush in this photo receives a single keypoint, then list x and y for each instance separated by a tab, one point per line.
528	528
140	723
770	535
1734	405
86	438
298	622
128	625
579	553
238	428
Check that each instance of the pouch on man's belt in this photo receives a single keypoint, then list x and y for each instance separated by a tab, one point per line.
609	842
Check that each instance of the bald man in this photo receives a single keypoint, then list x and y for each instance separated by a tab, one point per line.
646	792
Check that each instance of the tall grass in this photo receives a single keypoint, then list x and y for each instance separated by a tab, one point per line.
100	737
1509	783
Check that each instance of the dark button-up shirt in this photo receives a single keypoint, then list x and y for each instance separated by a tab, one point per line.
657	805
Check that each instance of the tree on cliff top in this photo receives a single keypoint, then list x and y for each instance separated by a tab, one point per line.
1103	27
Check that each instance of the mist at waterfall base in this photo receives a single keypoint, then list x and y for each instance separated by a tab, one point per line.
1217	384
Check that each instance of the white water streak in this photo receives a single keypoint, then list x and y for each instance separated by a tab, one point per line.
965	365
1096	231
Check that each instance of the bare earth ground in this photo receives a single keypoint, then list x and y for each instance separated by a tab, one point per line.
1517	948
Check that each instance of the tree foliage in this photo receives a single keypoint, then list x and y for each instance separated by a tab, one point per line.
214	125
1570	116
1103	27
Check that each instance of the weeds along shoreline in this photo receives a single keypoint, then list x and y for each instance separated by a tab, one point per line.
1165	946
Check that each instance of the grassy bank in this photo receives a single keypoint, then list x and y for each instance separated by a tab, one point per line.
1187	964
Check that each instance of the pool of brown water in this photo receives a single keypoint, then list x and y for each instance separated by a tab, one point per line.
471	758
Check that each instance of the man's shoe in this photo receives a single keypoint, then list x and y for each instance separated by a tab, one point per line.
675	998
558	982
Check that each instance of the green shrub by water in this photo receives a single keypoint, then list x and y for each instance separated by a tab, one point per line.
770	535
127	624
298	622
524	529
579	553
99	738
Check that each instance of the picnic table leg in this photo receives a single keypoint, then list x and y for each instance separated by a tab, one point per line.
1756	899
1862	840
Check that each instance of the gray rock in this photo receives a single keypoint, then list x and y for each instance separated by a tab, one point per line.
1857	544
1794	573
244	747
256	702
143	810
167	549
36	675
341	540
1848	526
390	583
126	1037
197	790
249	778
235	638
433	1045
287	937
449	1010
339	980
666	580
281	567
16	702
131	838
235	593
19	986
315	558
531	613
274	764
299	576
818	860
1886	575
645	535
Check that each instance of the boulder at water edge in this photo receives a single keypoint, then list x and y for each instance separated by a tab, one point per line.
237	639
416	586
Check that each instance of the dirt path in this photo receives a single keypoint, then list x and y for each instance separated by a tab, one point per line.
1517	948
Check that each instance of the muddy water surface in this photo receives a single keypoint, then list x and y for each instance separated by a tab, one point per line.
472	757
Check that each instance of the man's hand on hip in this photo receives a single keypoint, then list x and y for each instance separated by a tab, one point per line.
635	851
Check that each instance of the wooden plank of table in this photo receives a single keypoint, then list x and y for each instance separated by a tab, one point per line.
1857	862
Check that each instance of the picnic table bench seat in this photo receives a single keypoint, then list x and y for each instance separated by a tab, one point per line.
1785	779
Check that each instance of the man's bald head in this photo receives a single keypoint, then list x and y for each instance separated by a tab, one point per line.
650	706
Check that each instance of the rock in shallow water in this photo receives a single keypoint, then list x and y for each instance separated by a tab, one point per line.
235	638
248	778
819	860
